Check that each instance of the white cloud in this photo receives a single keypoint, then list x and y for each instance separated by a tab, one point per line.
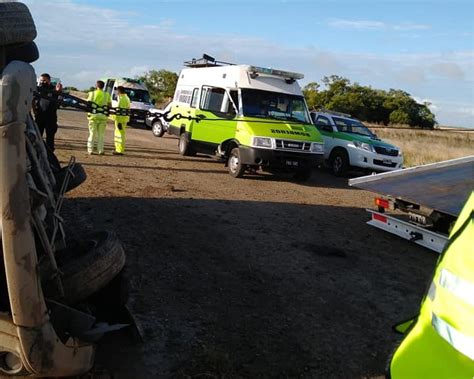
448	70
411	26
375	25
358	24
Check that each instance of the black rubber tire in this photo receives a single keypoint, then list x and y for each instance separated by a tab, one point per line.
79	177
157	129
87	265
234	164
184	145
27	52
16	24
339	162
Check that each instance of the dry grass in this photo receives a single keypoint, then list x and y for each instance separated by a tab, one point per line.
428	146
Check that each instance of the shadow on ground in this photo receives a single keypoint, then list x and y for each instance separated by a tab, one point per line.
255	289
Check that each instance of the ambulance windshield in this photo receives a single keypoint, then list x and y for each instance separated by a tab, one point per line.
276	105
138	95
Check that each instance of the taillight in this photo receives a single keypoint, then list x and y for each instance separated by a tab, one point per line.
382	203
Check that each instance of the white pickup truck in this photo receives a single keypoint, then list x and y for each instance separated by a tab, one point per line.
349	143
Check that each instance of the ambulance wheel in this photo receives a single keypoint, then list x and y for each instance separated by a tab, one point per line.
157	129
87	265
234	164
184	145
339	162
18	26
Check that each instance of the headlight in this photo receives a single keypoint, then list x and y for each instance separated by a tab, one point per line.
364	146
400	153
317	147
262	142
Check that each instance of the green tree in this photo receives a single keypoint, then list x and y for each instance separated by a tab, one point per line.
368	104
161	84
310	92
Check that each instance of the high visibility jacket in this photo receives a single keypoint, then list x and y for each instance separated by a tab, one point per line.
440	343
100	98
124	103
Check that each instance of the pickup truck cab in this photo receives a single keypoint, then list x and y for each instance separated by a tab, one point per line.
349	143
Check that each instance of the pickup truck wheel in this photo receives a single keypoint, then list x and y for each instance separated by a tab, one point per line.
339	163
18	26
234	164
87	265
184	145
157	129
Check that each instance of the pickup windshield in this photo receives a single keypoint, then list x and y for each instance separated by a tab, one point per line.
276	105
352	126
138	95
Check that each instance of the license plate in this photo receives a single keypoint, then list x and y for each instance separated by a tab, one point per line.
292	163
387	161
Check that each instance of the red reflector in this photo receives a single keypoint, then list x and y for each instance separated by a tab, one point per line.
376	216
381	203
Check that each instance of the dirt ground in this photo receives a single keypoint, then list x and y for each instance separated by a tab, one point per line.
242	278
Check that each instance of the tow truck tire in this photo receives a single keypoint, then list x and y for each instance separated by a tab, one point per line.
157	129
87	265
339	162
16	24
184	145
234	164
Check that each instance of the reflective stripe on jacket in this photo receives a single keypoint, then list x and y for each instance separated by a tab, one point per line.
100	98
123	103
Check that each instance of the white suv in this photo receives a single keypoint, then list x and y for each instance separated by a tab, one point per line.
349	143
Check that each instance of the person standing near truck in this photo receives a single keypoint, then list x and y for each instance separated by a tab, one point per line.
97	121
121	121
45	108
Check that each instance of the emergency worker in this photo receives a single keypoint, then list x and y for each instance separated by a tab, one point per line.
45	108
439	342
121	122
97	121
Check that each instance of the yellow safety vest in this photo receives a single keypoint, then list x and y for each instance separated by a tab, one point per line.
440	343
100	98
124	103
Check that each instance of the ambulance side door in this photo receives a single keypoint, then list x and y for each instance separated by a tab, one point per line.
217	116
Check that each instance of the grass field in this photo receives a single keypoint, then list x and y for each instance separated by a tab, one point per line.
427	146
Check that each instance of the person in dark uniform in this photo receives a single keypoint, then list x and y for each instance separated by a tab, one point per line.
45	108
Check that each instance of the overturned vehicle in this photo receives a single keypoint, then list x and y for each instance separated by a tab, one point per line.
47	281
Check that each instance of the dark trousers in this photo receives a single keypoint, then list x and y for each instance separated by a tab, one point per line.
51	127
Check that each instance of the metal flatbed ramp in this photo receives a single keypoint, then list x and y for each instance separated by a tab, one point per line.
443	186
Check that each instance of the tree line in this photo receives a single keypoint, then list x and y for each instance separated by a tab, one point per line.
338	94
367	104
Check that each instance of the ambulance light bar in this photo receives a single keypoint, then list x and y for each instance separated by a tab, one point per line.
270	71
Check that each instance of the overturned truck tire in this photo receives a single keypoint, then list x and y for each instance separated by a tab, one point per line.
16	24
87	266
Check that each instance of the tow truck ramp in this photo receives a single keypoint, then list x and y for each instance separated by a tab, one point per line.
425	200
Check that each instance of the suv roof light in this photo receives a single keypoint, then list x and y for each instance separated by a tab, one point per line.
335	113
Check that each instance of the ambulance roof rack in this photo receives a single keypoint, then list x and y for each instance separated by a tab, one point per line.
206	61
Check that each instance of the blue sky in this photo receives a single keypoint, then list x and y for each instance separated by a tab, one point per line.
423	47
